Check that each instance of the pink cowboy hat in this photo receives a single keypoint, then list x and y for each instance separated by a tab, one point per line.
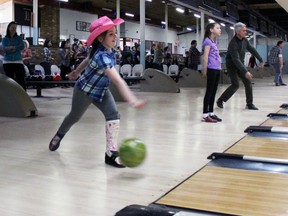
101	25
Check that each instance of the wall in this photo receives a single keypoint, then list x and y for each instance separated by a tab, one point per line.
152	33
6	11
68	20
50	23
185	40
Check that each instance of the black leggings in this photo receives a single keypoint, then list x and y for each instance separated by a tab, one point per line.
213	76
16	72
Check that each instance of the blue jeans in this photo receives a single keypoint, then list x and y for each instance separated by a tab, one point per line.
278	74
81	102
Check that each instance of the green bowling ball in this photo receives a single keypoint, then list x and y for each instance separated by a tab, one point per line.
132	152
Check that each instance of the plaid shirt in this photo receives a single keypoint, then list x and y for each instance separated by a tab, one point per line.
47	54
93	81
194	56
274	54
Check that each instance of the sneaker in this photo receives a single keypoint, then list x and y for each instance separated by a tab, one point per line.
113	160
209	119
55	143
215	117
220	103
251	107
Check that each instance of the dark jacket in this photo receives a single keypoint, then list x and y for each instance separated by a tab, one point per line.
236	53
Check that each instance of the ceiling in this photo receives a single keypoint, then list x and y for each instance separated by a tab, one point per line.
155	11
267	10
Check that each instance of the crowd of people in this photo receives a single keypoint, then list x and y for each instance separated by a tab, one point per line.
70	56
17	54
154	58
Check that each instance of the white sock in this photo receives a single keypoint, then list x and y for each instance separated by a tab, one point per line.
205	115
109	153
211	114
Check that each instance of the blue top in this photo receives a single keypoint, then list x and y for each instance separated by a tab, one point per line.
93	81
64	61
214	59
14	55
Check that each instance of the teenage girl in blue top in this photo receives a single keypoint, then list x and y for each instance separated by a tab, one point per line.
93	87
211	69
12	62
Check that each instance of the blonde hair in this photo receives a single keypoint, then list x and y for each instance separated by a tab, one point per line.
159	46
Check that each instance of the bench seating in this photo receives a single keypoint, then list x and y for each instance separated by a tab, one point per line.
44	83
40	84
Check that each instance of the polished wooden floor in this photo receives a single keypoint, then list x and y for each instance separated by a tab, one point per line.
232	192
75	181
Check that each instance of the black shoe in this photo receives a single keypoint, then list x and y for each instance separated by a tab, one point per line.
55	143
112	160
215	118
277	84
220	103
251	107
283	84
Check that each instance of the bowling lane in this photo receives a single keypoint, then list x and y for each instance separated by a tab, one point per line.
283	111
276	122
261	147
231	191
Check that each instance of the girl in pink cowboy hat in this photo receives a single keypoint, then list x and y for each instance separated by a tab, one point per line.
93	87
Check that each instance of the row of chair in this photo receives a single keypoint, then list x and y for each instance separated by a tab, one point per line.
130	71
137	70
55	70
172	70
126	70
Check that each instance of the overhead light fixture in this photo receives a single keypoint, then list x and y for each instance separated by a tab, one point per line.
197	15
107	9
211	20
180	10
222	24
149	0
178	26
162	22
63	0
189	29
232	27
147	19
129	14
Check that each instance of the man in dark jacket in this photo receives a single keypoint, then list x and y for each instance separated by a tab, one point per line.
194	56
235	66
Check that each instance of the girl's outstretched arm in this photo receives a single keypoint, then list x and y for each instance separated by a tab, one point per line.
75	73
123	88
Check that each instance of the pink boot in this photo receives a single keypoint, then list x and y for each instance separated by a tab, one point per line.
112	155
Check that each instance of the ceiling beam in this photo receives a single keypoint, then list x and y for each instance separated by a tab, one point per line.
265	6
